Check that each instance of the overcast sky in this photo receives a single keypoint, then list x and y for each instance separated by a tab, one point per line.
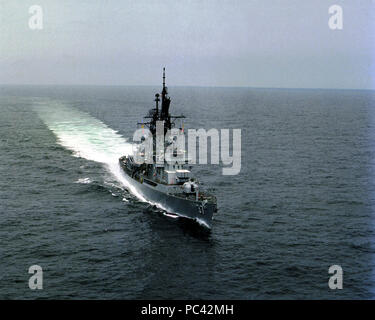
259	43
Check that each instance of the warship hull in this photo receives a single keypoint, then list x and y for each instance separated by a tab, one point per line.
167	184
200	211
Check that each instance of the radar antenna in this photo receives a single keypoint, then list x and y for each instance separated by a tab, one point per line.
163	78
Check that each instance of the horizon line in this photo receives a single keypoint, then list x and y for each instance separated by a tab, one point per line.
181	86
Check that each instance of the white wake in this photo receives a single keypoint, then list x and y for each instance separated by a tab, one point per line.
88	138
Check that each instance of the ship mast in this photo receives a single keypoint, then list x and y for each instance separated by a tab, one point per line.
163	79
165	102
154	114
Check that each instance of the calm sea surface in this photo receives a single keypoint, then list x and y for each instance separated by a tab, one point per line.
303	201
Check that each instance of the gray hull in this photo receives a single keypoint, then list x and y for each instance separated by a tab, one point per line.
196	210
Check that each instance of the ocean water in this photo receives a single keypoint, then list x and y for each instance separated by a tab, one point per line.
303	201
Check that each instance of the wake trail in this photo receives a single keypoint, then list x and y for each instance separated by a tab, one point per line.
88	138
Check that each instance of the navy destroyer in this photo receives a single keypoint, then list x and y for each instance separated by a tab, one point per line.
169	184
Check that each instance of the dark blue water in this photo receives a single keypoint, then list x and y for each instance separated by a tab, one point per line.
302	202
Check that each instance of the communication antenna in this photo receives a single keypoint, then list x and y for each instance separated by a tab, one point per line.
163	78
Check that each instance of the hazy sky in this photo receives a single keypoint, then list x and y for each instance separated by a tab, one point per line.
265	43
